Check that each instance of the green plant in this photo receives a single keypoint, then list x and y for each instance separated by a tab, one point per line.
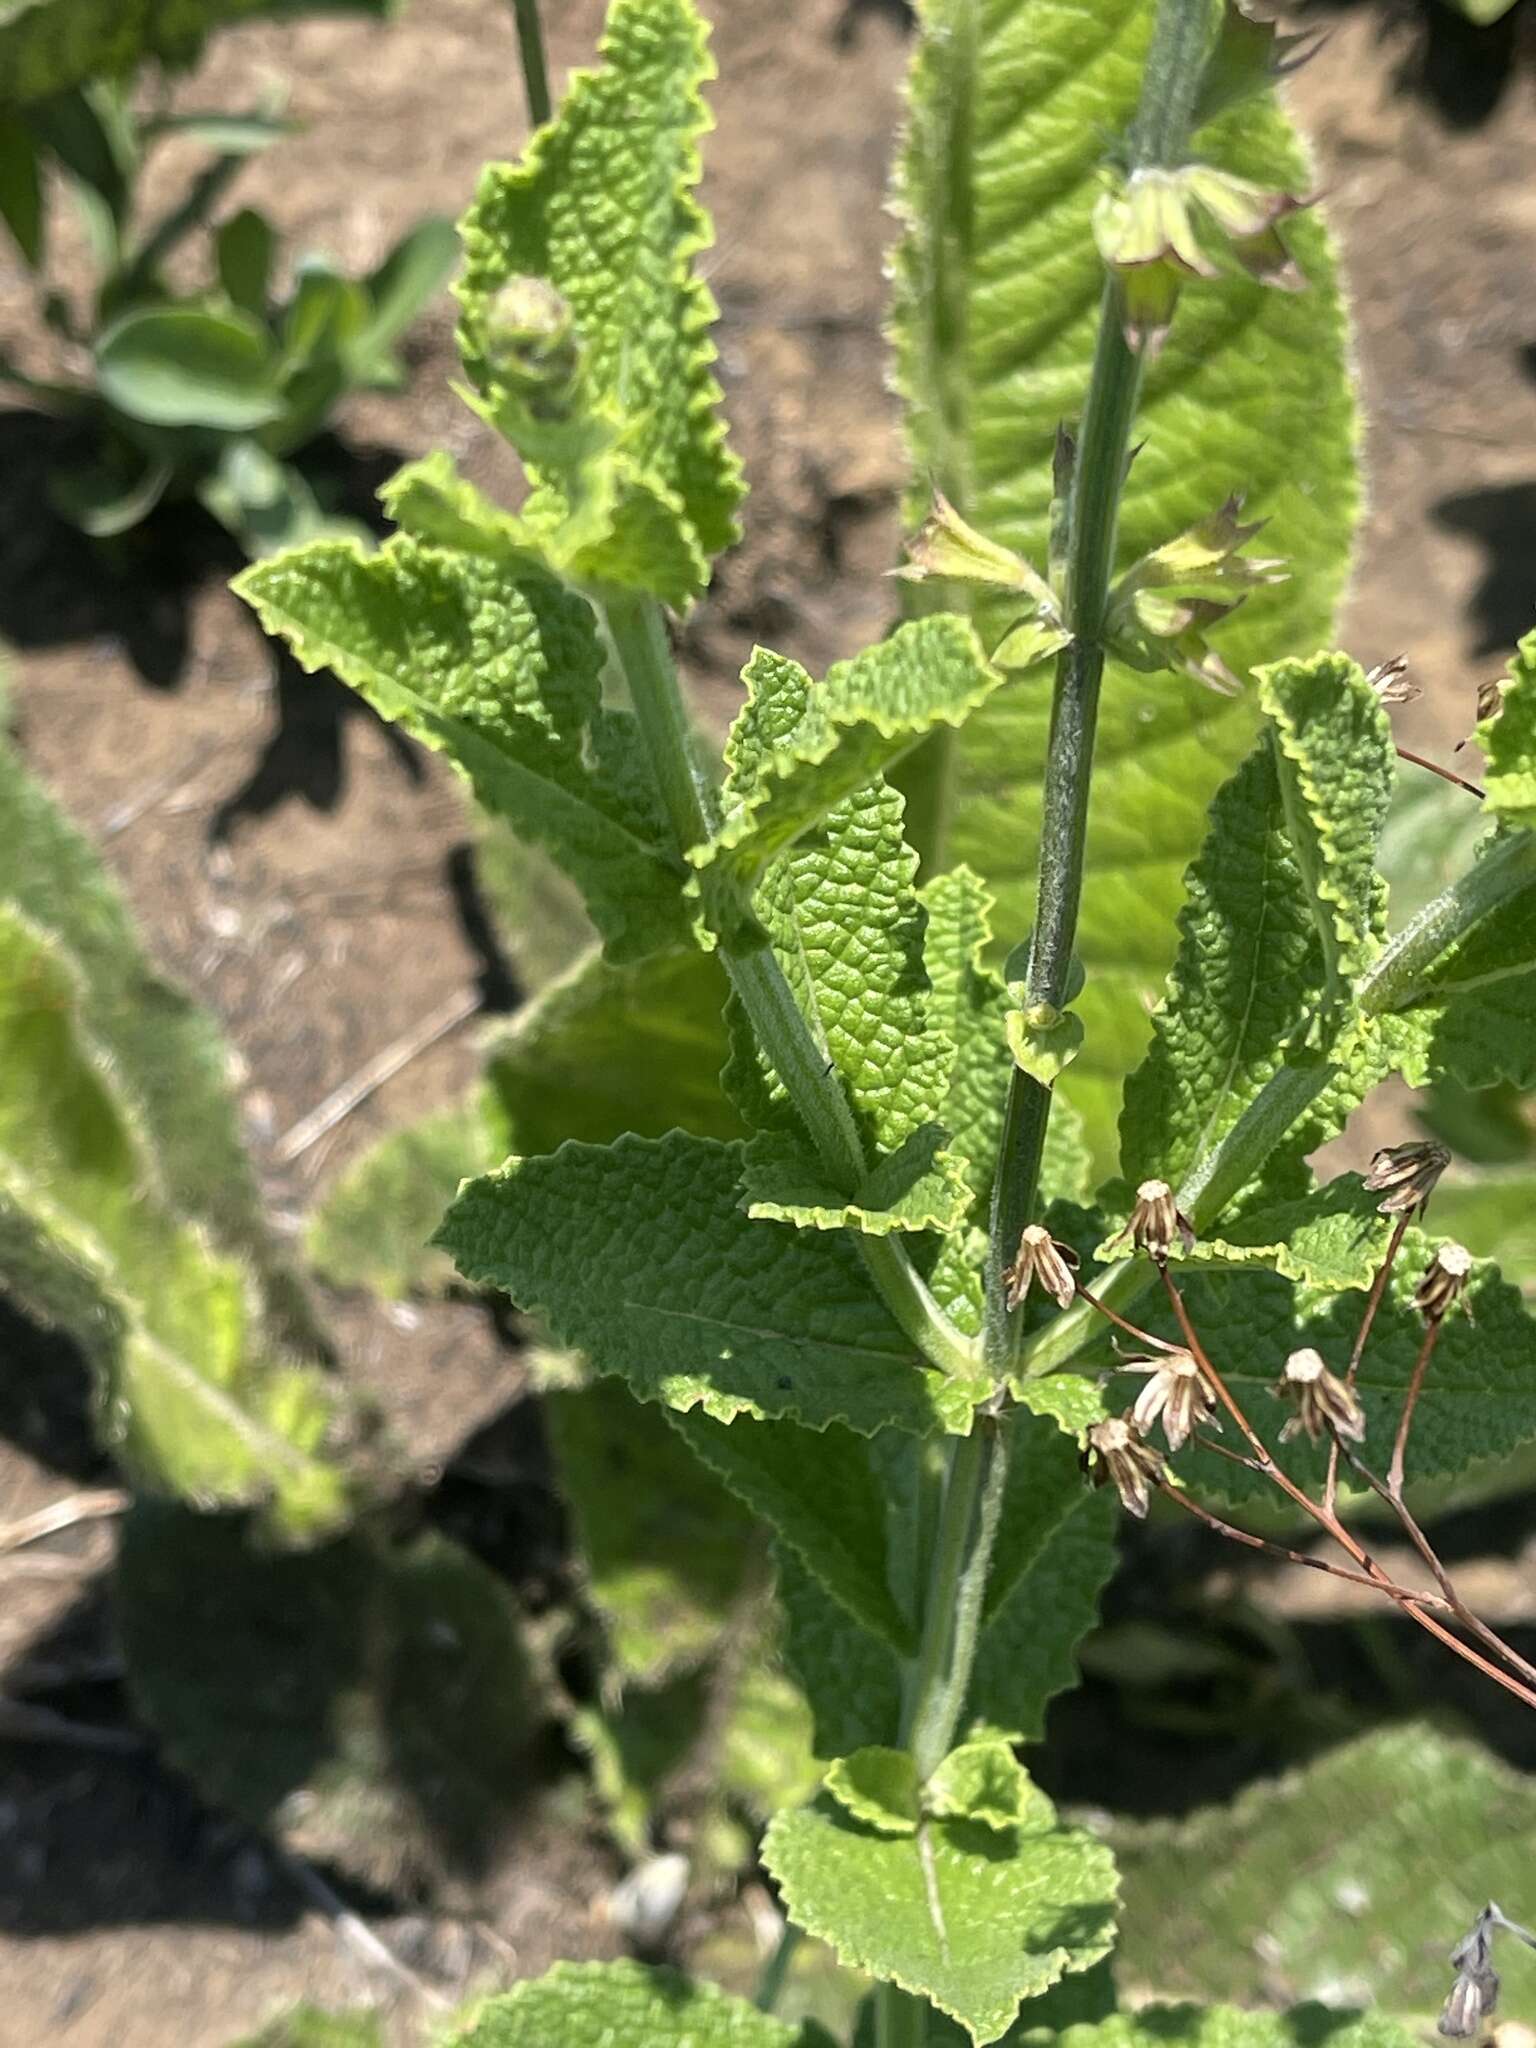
866	1289
212	391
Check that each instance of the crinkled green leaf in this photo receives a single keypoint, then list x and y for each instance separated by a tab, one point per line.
1508	741
879	1787
971	1919
626	2005
982	1781
497	665
1479	1398
1054	1554
602	208
374	1226
800	747
636	1254
850	1678
969	1004
1334	760
193	1401
1354	1877
1333	1238
370	1704
665	1549
818	1491
1247	974
605	1049
1474	1018
167	1060
998	293
847	927
47	46
917	1187
1087	1995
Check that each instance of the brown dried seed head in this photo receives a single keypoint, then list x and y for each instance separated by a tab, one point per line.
1155	1220
1391	682
1116	1456
1473	1999
1325	1404
1407	1174
1175	1394
1040	1259
1445	1280
1490	699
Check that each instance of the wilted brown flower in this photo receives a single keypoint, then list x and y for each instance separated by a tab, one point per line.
1116	1456
1392	683
1040	1259
1325	1405
1175	1393
1408	1174
1473	1998
1490	699
1475	1994
1155	1219
1445	1279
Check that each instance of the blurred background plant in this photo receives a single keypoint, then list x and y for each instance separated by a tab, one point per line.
203	360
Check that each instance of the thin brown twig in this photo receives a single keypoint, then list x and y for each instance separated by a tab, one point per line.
1130	1329
1351	1371
1463	1613
1410	1402
1445	774
1412	1606
1301	1557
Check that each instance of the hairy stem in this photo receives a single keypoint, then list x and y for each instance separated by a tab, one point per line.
776	1969
940	1674
1398	977
901	2021
530	49
639	636
1158	136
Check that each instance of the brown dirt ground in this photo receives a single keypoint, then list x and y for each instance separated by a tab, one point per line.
308	875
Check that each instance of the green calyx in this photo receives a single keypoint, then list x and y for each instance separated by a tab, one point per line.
1163	227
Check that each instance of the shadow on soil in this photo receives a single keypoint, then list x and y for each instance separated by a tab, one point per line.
1458	70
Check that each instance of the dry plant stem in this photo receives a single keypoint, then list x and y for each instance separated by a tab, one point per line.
1113	1315
1487	1636
1445	774
1414	1604
1287	1556
62	1514
1351	1371
1410	1403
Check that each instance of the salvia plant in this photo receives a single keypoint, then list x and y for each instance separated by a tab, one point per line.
208	392
960	1218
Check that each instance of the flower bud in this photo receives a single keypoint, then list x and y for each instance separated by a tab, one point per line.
531	344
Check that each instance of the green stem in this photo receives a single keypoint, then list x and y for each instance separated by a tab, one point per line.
901	2021
530	48
776	1969
798	1057
1398	977
940	1674
1158	135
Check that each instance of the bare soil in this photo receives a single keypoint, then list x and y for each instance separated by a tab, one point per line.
312	877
